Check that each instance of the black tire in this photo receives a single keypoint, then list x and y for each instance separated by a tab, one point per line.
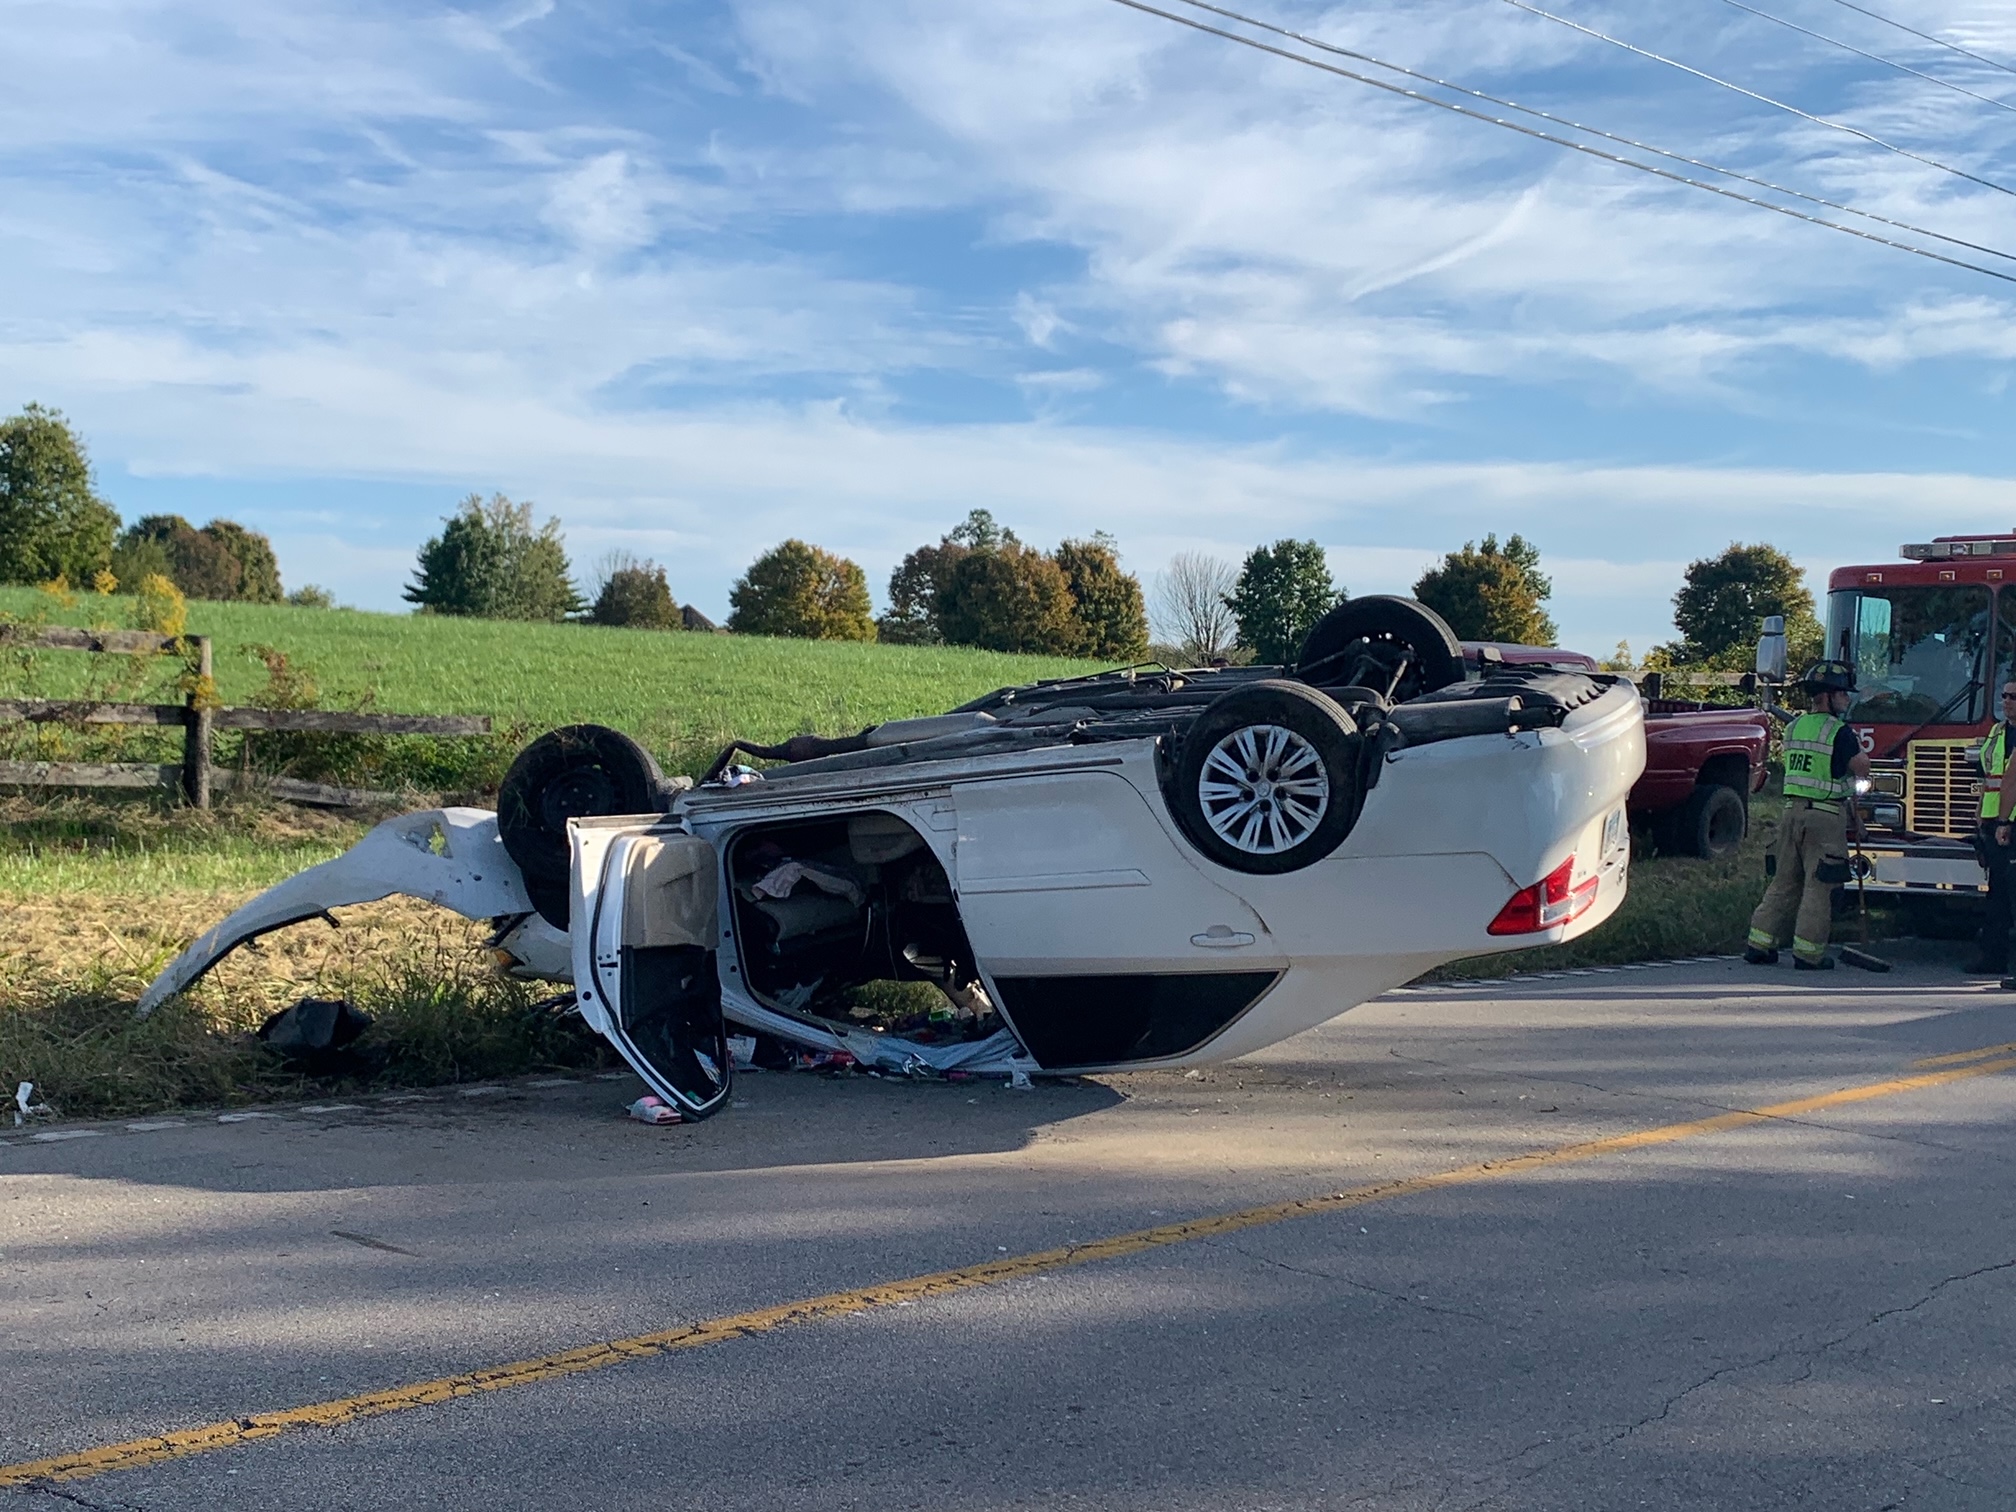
579	772
1364	641
1711	824
1294	734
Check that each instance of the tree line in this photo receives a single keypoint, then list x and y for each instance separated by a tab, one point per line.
978	585
55	528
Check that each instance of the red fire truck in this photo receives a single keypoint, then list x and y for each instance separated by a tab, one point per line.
1931	639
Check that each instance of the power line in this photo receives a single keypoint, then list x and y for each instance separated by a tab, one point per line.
1927	36
1609	136
1854	131
1872	57
1582	147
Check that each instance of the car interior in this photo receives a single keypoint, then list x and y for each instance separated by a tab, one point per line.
853	920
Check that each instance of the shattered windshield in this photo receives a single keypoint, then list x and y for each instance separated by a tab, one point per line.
1920	654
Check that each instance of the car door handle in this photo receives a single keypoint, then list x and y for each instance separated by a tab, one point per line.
1221	937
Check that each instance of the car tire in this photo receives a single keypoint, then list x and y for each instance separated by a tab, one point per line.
1222	787
579	772
1711	824
1363	641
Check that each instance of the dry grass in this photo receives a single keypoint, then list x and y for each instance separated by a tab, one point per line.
95	898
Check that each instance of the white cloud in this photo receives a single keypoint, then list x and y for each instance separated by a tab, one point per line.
601	205
467	249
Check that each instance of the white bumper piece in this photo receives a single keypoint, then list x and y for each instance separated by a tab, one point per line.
449	856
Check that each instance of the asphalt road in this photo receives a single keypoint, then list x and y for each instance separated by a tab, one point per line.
1815	1309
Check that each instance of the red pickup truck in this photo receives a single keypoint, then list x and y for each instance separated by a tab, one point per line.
1702	761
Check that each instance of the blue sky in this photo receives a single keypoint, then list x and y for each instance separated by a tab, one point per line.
694	277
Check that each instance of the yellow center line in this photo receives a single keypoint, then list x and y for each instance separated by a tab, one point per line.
136	1453
1960	1057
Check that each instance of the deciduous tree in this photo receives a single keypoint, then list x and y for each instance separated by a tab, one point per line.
201	564
918	580
1282	591
1491	592
1113	622
1722	603
914	587
490	562
259	569
799	590
1010	598
1192	602
635	594
52	522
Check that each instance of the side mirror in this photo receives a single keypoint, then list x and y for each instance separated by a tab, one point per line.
1771	649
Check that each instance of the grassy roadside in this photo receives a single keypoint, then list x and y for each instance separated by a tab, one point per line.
95	898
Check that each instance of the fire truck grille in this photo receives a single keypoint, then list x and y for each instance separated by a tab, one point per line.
1944	791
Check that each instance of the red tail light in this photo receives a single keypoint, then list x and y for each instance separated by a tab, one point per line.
1548	902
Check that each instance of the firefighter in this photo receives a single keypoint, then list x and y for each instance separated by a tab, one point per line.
1809	858
1998	854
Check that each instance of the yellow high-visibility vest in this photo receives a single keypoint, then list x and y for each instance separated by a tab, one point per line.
1809	759
1994	762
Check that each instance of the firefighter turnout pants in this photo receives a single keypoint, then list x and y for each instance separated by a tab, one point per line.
1811	852
2000	863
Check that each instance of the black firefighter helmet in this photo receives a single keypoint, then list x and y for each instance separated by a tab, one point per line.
1829	677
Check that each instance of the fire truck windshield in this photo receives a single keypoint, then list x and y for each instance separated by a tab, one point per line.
1920	654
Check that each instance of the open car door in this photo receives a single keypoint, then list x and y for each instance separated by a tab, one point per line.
646	908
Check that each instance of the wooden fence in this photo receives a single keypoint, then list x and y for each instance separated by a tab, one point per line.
199	720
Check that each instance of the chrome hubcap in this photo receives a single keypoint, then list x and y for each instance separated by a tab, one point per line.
1263	790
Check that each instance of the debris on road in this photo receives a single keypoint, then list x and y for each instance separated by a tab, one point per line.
654	1110
24	1109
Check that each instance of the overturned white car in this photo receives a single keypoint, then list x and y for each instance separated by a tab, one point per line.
1144	867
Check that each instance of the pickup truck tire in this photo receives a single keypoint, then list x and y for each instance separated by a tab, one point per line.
1710	824
579	772
1269	778
1363	641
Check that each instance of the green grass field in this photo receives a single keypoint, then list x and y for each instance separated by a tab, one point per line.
682	694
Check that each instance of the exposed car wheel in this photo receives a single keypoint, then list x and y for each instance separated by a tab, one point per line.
578	772
1268	779
1397	647
1710	824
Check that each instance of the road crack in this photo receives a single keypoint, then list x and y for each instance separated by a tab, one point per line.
53	1489
1809	1354
1365	1286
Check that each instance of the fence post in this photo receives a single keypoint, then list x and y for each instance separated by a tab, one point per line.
196	737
